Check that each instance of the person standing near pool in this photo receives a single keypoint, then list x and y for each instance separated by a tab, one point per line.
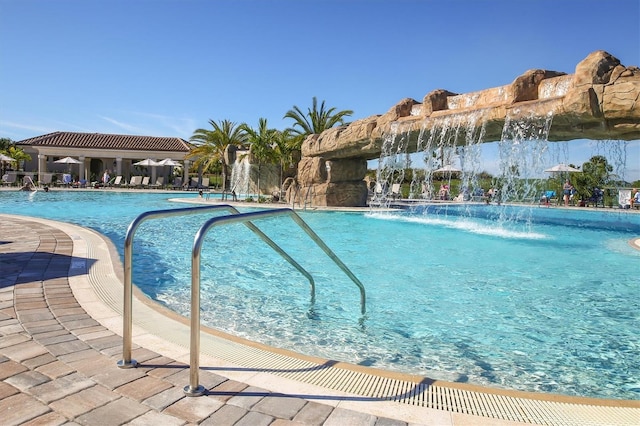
566	190
105	177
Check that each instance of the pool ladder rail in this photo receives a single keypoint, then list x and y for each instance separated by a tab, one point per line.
194	388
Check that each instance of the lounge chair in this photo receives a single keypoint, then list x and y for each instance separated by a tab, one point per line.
624	198
117	181
46	179
135	181
204	184
596	198
66	180
548	197
8	179
395	191
193	184
477	195
635	200
145	182
177	183
378	191
159	183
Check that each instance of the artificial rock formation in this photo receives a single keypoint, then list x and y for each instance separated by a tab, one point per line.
338	182
601	100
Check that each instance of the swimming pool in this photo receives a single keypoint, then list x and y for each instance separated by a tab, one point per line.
546	303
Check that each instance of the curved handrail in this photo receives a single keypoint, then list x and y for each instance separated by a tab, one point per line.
194	388
127	328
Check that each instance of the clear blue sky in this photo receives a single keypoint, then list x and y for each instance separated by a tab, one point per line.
166	67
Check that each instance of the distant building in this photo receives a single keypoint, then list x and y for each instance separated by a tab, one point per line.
98	152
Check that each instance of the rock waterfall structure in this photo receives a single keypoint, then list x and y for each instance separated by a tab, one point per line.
599	101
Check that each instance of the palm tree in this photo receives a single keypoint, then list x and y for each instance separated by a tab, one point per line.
211	146
284	152
5	143
18	155
314	122
596	173
262	142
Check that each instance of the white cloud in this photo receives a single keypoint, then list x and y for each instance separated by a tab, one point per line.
125	126
38	129
155	124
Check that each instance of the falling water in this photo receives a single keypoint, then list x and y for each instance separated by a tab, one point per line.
241	176
616	154
392	164
524	152
450	140
455	140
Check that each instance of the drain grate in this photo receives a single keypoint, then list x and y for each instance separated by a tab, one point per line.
429	395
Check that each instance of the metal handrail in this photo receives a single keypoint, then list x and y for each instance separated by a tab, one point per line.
308	197
194	388
126	361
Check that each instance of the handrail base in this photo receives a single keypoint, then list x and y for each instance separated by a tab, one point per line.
131	364
199	391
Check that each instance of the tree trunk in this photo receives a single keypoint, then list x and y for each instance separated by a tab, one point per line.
225	175
258	181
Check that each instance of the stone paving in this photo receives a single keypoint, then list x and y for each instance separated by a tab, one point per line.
58	365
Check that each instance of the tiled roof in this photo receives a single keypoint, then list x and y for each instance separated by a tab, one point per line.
107	141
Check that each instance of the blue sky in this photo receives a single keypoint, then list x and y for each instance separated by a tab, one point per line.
166	67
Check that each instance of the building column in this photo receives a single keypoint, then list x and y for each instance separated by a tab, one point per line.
42	166
185	172
154	173
82	172
118	171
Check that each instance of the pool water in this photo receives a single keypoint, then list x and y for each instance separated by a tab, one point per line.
548	302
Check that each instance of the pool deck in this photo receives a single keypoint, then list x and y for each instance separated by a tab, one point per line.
60	340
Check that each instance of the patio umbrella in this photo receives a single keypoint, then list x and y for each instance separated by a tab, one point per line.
67	160
147	162
5	159
562	168
168	162
448	168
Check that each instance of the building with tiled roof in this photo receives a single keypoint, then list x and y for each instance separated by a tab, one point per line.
98	152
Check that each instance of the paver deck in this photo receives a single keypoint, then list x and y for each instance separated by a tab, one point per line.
60	339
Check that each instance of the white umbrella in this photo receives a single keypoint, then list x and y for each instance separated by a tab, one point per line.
147	162
447	168
561	168
168	162
5	158
67	160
